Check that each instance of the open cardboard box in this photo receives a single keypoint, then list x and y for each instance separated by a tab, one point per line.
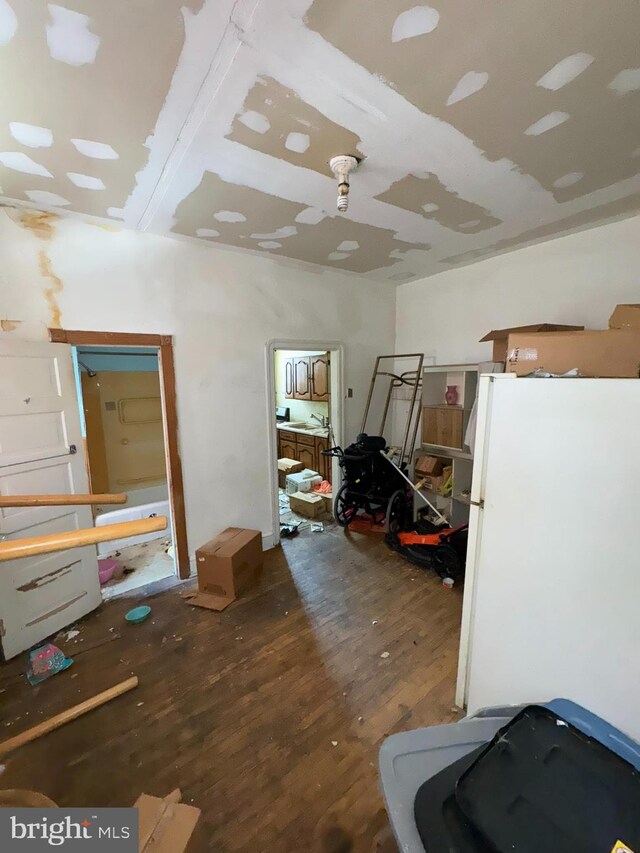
500	336
226	566
625	317
609	353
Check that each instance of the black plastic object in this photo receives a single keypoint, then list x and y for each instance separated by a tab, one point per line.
543	785
441	824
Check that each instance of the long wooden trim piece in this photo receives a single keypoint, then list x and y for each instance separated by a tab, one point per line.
174	463
62	500
17	548
80	338
73	713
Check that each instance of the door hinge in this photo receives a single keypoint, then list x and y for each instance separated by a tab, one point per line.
479	503
72	449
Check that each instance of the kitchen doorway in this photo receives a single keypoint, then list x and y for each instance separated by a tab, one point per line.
305	420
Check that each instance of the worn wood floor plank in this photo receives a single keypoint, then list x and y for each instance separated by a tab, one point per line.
240	709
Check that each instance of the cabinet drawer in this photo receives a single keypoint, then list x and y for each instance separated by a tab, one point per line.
309	440
285	435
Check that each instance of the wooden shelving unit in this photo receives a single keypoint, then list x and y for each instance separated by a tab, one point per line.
443	431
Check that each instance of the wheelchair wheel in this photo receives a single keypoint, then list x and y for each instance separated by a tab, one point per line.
344	507
396	512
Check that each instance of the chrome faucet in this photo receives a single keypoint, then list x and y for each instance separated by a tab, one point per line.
324	422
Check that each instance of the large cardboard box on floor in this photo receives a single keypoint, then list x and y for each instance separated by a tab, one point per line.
625	317
286	467
227	565
500	336
308	504
609	353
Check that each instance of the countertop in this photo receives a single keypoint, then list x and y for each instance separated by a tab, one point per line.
319	432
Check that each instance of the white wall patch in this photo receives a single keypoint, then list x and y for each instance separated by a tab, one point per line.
278	234
338	256
297	142
255	121
69	38
628	80
31	135
568	180
86	182
270	244
565	71
20	162
8	22
45	197
207	232
472	223
311	216
415	22
115	212
348	246
230	216
97	150
471	83
546	123
430	208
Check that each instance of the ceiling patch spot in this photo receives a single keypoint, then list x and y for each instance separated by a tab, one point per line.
115	212
278	234
20	162
255	121
626	81
310	216
31	135
229	216
338	256
45	197
568	180
348	246
69	38
8	22
86	182
414	22
468	85
546	123
270	244
565	71
430	208
472	223
298	142
97	150
207	232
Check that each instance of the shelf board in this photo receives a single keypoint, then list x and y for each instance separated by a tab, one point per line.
441	450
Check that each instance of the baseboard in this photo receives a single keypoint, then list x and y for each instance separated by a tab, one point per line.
268	542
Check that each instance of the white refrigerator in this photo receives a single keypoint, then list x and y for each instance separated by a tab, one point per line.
552	590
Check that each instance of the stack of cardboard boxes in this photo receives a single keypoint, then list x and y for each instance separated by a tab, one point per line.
612	352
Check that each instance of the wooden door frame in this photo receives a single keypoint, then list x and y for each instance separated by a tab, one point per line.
164	344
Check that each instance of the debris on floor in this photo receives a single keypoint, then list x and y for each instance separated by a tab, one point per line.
165	824
46	661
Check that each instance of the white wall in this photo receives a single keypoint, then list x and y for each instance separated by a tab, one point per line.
222	308
576	279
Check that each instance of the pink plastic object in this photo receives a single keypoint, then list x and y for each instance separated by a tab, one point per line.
106	568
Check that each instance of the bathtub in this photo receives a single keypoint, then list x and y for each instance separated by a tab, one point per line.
133	513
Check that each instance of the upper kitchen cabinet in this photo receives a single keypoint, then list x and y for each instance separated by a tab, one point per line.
289	385
319	370
301	378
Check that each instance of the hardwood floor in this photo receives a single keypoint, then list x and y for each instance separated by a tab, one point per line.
268	715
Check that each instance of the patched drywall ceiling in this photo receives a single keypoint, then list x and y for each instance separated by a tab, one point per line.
481	126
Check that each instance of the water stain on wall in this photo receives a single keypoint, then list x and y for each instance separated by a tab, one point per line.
9	325
42	224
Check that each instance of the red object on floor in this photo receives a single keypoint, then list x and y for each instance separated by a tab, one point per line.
365	524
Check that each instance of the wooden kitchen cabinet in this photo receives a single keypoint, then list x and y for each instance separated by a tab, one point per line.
323	466
301	378
289	388
319	375
306	449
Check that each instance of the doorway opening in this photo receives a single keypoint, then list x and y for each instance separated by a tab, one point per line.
121	418
127	399
306	419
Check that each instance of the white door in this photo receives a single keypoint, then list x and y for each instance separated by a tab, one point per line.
41	452
555	583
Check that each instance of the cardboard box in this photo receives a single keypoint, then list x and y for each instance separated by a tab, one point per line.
229	564
165	825
302	481
625	317
499	336
429	465
286	467
327	497
308	504
608	353
432	482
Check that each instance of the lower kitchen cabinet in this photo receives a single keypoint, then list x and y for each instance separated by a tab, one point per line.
306	449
